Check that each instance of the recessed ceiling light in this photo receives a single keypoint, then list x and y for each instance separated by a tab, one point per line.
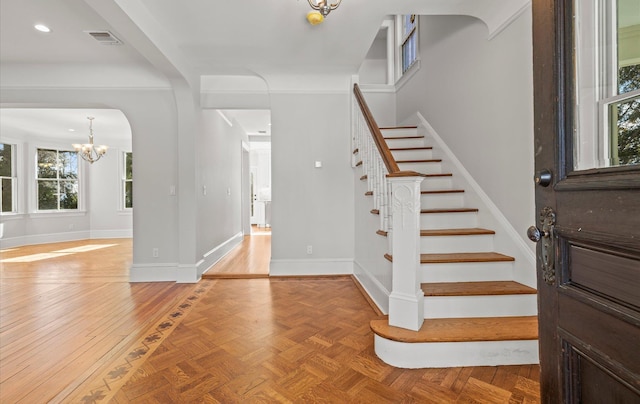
72	130
42	28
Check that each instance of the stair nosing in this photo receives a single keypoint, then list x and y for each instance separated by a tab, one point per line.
462	330
419	161
410	148
472	231
452	210
478	288
447	258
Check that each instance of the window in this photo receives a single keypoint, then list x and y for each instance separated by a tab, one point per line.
8	177
127	180
409	41
606	66
57	179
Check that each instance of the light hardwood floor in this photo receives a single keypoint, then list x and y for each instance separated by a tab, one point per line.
74	330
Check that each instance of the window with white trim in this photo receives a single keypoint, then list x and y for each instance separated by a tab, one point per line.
56	180
8	178
408	41
127	180
606	66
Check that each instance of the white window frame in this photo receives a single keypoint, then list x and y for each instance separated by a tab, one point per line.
15	167
403	38
33	182
124	180
596	86
402	77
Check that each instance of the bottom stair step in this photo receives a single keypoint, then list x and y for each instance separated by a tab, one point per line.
462	329
454	342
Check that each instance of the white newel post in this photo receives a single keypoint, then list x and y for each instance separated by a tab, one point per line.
406	302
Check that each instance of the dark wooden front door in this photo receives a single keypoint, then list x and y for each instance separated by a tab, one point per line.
588	215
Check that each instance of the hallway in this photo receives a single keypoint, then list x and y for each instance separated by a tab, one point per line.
250	259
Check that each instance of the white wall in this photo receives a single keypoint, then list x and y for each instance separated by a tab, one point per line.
311	206
108	218
219	170
478	96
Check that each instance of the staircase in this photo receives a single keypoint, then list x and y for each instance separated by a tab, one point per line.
475	313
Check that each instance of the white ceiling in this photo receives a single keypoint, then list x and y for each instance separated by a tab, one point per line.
196	38
69	125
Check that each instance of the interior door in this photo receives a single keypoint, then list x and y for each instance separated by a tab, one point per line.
587	202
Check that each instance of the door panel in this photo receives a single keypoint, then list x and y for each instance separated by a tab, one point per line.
589	312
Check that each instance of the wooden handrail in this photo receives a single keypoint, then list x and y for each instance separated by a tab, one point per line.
387	157
381	144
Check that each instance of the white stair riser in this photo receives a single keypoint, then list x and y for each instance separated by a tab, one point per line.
444	200
467	272
416	142
479	306
421	154
399	132
436	183
456	244
448	220
455	354
422	168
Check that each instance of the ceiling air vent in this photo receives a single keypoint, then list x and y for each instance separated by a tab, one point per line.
104	37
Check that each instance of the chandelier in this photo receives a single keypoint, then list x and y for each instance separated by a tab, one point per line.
88	151
322	10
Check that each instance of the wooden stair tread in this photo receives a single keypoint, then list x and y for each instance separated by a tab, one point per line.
375	211
456	232
486	288
359	163
368	193
410	148
449	210
420	161
397	127
449	258
437	175
462	329
402	137
442	191
464	257
364	177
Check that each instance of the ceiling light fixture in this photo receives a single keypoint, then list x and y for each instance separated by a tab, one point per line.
88	151
322	10
42	28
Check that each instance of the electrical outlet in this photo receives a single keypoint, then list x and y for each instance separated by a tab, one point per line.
309	249
155	253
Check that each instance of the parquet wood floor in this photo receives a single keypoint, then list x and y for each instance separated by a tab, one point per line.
87	335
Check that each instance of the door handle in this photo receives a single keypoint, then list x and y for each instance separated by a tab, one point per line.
546	235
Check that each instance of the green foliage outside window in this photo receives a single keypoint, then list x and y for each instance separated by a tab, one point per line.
128	180
57	177
628	122
6	177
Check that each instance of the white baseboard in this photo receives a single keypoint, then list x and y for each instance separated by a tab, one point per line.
12	242
214	255
153	272
376	291
311	267
121	233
